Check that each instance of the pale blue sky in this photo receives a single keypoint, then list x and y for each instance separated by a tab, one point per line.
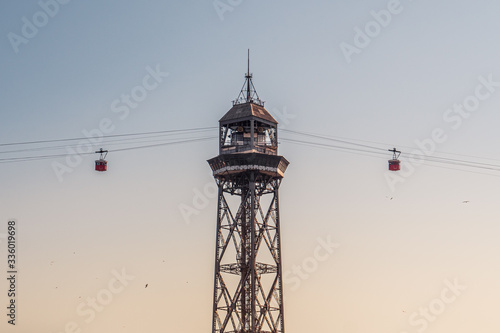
394	255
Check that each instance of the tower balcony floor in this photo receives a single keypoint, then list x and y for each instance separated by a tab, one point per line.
232	164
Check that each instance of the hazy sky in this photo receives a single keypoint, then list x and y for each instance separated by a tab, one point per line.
419	75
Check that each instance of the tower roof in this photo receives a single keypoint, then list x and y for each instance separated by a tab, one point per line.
248	104
247	110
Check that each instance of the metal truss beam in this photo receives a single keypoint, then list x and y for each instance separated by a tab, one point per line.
248	288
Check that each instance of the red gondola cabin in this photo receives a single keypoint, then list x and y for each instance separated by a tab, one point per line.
394	165
101	165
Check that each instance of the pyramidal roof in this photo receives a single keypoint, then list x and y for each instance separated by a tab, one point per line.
248	103
246	110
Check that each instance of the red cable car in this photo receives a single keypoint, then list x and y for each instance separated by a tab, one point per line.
395	164
101	164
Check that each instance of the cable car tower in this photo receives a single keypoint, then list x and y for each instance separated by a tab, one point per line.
248	287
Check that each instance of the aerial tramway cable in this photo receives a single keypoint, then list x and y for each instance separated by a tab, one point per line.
108	136
137	141
40	157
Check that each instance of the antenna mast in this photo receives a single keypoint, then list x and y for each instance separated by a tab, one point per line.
248	77
248	94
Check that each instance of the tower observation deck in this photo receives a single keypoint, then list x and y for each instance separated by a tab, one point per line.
248	287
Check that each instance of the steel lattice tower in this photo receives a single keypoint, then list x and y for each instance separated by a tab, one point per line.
248	287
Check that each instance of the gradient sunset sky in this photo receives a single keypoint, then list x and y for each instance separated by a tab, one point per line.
410	255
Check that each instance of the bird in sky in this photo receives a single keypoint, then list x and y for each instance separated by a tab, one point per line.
465	201
146	285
